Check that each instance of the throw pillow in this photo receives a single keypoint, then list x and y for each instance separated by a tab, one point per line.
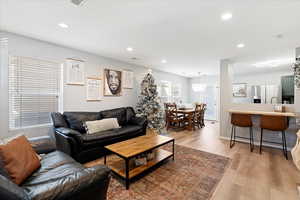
19	159
101	125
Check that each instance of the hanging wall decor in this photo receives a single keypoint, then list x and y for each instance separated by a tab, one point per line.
239	89
296	68
75	71
127	79
93	91
112	82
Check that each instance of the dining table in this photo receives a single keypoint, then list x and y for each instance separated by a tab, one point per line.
189	114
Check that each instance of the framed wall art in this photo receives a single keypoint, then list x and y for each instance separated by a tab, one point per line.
93	89
127	79
239	89
112	82
75	71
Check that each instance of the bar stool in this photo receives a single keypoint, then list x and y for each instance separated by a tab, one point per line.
241	120
274	123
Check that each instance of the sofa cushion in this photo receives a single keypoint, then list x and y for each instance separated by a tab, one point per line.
19	159
77	119
54	165
119	113
111	136
58	120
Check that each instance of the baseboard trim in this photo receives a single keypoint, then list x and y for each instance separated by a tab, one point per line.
255	143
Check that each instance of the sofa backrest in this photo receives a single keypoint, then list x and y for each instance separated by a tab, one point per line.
75	120
119	113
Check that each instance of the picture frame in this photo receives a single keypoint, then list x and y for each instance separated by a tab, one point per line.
112	82
239	89
128	79
93	89
75	71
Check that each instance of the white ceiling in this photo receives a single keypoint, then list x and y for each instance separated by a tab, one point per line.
188	34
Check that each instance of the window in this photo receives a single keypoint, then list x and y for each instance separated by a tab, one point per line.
176	93
34	88
198	87
164	91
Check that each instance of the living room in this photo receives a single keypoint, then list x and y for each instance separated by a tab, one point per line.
97	103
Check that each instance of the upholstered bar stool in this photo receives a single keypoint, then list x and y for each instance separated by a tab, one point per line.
241	120
274	123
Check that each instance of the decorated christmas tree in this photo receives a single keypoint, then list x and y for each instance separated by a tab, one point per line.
148	103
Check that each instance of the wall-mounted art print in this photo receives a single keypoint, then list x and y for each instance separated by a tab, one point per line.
112	82
239	89
93	90
128	79
75	71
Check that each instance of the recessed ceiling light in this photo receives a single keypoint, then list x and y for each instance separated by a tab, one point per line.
163	61
129	49
241	45
226	16
63	25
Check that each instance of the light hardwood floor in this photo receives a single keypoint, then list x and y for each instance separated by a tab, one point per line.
250	176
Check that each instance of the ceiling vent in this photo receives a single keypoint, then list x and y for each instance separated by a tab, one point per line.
78	2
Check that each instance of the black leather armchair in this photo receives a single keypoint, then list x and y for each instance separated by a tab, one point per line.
59	178
72	139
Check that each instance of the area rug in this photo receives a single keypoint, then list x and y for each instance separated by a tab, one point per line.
193	175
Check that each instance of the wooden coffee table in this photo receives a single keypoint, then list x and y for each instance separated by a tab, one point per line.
133	147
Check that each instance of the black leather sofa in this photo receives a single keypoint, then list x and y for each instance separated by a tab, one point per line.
72	139
59	178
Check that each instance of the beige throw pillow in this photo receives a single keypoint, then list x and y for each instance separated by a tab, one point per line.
101	125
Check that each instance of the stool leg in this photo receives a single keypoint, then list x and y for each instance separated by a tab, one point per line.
231	137
261	138
284	148
251	139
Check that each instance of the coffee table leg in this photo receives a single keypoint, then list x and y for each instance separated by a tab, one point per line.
104	159
127	173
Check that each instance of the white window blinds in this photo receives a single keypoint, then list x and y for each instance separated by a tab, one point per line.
34	87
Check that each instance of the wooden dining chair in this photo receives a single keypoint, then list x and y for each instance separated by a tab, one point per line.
172	117
199	115
203	109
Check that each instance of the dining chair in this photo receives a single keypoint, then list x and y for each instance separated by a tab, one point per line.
203	109
197	121
172	117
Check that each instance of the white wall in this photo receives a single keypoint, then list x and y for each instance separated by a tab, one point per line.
226	103
74	97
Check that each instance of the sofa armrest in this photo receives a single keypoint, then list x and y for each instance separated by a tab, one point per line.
68	141
140	121
88	183
42	144
71	133
11	191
